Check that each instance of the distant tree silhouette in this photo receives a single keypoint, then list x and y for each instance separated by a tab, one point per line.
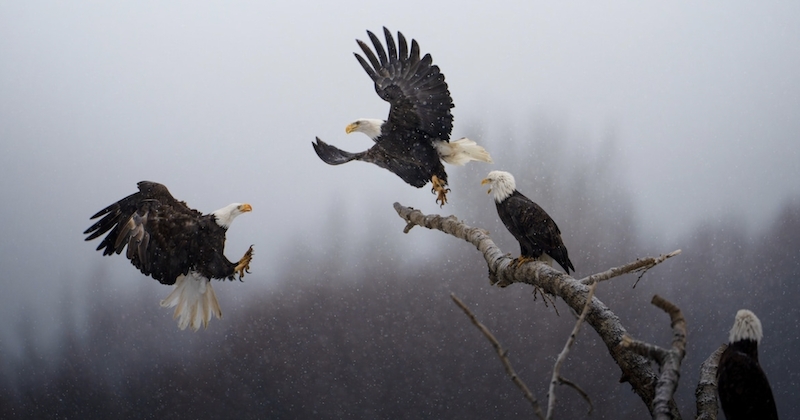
350	326
378	342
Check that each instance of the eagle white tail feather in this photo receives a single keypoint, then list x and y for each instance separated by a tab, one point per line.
458	152
547	259
194	300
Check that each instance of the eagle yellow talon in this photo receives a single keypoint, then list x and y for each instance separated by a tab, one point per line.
244	264
518	262
440	190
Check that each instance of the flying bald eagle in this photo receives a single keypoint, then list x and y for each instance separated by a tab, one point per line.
174	244
415	139
743	388
532	227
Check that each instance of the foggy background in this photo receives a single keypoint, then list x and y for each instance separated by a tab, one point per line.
640	128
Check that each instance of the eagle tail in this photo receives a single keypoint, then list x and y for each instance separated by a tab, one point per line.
560	256
194	300
461	151
332	155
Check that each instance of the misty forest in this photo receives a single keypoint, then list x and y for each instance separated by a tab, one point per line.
644	130
357	329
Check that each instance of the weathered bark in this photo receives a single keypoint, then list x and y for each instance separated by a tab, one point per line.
636	369
556	378
669	360
706	391
640	265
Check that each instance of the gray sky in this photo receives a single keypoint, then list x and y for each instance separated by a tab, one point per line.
220	102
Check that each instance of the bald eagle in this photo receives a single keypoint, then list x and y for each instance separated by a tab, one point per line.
743	388
175	245
536	232
415	139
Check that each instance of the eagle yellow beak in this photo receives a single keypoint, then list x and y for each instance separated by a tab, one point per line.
484	182
244	208
351	127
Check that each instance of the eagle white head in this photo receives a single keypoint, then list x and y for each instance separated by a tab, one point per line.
501	183
226	214
368	126
746	327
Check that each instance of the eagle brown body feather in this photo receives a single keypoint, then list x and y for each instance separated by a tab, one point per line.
165	238
534	229
419	114
743	388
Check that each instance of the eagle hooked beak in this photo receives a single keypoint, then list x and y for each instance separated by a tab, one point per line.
244	208
487	181
351	127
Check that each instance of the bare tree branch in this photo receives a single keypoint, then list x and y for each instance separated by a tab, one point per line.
564	381
669	360
636	369
642	264
650	351
556	378
503	354
706	392
578	389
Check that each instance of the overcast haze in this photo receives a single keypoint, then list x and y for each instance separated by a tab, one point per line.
220	102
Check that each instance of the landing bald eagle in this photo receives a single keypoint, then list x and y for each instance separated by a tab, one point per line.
415	139
174	244
743	388
532	227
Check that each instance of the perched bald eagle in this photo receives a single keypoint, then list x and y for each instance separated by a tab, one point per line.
743	388
536	232
174	244
415	139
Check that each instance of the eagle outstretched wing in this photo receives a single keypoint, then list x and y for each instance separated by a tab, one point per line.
175	245
409	170
415	88
157	229
414	141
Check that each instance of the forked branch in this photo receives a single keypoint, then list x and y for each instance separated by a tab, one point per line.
635	369
669	360
557	379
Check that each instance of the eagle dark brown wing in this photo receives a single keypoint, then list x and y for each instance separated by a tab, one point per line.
413	171
413	86
164	237
534	229
419	116
743	388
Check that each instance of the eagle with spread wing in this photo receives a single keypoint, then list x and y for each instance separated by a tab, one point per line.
174	244
415	139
